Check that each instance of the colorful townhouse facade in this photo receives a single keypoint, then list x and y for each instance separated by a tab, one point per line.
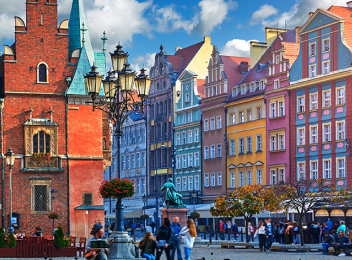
320	87
224	72
188	143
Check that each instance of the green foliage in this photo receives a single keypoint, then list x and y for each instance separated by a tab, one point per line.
59	238
3	243
144	217
13	242
67	242
195	215
53	215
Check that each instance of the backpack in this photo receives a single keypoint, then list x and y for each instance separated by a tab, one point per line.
224	226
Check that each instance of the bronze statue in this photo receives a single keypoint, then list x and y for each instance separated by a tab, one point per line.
172	197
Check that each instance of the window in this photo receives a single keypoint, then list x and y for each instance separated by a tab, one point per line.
259	176
340	132
218	122
252	87
212	151
138	160
243	90
178	184
314	101
326	67
281	142
249	115
143	186
127	162
143	159
187	98
42	75
249	178
312	49
214	91
241	179
184	161
212	179
232	180
206	125
259	143
273	143
184	183
277	58
261	85
281	108
241	146
314	170
219	175
190	117
326	98
196	159
301	137
259	112
326	45
233	92
219	150
314	134
340	168
241	117
300	108
184	118
184	138
178	139
206	152
196	182
212	124
41	142
232	119
340	95
190	182
282	175
313	70
196	135
276	84
137	186
232	147
132	161
327	132
178	162
206	179
249	144
190	160
273	177
327	169
272	110
41	198
190	137
301	171
123	163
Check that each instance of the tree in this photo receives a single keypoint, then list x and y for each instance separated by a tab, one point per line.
12	242
246	202
59	238
305	196
3	242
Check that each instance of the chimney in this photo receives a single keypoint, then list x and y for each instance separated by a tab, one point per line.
244	67
349	4
177	49
310	14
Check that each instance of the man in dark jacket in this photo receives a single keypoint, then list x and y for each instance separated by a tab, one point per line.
234	229
176	239
328	241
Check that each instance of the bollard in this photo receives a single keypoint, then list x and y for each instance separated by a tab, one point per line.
205	234
216	234
241	235
210	240
229	235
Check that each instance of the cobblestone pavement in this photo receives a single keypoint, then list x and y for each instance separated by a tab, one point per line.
214	252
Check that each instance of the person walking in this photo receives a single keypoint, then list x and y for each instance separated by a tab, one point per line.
261	232
328	241
228	227
189	234
222	230
164	239
269	230
176	239
297	233
152	225
281	233
134	226
341	241
250	231
148	246
234	229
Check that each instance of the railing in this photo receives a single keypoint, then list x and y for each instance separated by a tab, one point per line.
32	164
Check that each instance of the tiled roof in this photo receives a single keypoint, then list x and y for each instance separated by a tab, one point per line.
232	69
344	12
200	87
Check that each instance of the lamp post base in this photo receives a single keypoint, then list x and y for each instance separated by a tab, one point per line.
11	230
123	247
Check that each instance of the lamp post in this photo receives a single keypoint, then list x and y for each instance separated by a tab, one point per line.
53	195
119	102
144	202
157	188
194	195
10	161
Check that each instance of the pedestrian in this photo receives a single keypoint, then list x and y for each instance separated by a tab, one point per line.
234	230
163	237
329	224
305	238
281	233
148	246
340	242
289	233
269	230
250	231
134	226
222	230
328	241
98	236
189	234
315	233
228	227
152	225
336	225
296	232
261	232
176	239
342	227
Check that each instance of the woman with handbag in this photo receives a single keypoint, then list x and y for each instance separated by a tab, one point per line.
148	246
189	234
163	238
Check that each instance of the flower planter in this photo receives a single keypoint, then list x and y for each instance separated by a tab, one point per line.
65	252
8	252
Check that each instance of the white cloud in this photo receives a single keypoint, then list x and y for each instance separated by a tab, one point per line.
146	61
262	13
237	47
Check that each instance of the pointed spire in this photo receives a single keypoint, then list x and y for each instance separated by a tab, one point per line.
104	39
161	48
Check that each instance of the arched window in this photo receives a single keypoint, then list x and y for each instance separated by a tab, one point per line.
104	144
164	84
42	73
41	142
161	107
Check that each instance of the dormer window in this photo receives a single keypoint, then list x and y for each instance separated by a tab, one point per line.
233	92
252	87
261	85
42	73
312	49
243	90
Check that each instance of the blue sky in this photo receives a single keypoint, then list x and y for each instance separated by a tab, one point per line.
142	26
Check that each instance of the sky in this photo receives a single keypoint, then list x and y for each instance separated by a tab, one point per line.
142	26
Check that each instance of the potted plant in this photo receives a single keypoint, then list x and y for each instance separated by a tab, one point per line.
117	188
62	245
41	156
5	249
144	217
195	215
53	215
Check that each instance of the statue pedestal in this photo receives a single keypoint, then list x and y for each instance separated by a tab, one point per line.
181	213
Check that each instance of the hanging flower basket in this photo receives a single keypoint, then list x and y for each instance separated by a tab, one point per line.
41	156
117	188
53	215
195	215
144	217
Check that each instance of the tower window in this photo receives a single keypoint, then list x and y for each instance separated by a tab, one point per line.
41	143
42	73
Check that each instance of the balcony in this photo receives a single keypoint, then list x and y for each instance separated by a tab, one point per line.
51	164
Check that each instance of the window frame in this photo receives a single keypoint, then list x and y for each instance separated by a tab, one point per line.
241	147
218	150
273	177
249	144
272	109
212	178
310	49
325	169
206	180
196	182
259	176
212	124
232	119
338	167
316	135
324	92
196	135
323	43
312	174
299	143
338	131
212	148
276	84
46	75
249	115
219	179
232	147
206	152
241	116
325	133
241	178
338	97
281	108
316	102
259	112
281	141
323	67
299	105
232	179
196	159
311	70
261	143
218	122
190	183
301	174
206	125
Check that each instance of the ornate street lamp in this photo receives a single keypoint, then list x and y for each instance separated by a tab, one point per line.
119	102
194	195
53	195
10	161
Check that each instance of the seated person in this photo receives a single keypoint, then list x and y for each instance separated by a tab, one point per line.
98	236
37	232
341	240
148	246
328	241
349	241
